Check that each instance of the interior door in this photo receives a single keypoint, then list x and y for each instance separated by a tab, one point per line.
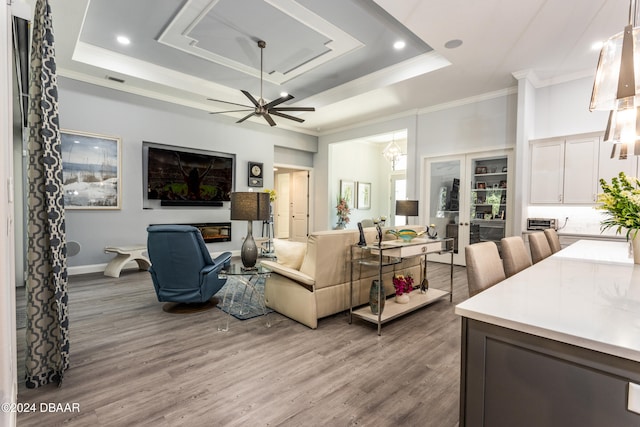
446	204
299	206
281	211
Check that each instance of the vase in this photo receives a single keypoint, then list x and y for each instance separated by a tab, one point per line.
376	293
402	298
635	245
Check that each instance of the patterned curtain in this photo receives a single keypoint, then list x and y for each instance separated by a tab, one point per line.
47	354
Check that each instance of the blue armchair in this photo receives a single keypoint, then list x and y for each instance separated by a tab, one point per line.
181	267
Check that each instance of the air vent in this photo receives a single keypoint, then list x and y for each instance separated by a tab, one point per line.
115	79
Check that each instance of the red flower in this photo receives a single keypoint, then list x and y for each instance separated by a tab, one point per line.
403	284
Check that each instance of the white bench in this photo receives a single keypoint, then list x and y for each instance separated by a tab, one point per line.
124	255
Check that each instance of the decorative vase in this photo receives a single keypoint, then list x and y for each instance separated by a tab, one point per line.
374	293
635	244
402	298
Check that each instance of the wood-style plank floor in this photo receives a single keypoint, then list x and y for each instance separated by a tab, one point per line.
132	364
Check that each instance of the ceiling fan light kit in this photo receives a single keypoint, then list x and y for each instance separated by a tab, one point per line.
260	107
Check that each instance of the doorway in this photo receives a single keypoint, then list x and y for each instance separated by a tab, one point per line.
291	208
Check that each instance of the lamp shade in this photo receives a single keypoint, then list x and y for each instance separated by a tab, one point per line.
250	206
407	207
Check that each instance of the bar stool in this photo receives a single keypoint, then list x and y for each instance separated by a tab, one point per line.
539	246
514	255
553	239
484	266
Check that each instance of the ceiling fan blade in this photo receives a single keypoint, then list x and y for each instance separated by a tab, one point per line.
251	98
294	109
227	102
278	101
229	111
246	117
286	116
269	120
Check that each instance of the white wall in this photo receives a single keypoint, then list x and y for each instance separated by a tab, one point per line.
563	109
360	161
8	364
89	108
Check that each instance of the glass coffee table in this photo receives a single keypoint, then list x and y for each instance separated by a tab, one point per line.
243	294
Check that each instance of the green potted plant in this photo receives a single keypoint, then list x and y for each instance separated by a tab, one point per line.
620	200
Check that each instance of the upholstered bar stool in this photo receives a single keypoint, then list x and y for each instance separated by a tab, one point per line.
539	246
553	239
484	266
514	255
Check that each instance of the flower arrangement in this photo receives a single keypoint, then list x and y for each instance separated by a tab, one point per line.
343	212
272	194
621	201
403	284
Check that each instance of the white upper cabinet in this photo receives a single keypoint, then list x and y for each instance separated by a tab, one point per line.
547	171
564	170
608	167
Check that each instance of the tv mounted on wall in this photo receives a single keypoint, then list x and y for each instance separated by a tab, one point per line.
180	176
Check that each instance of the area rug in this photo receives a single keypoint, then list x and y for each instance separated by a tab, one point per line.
252	306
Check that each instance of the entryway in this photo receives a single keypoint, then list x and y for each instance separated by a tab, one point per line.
291	208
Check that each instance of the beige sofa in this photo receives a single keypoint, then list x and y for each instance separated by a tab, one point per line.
315	283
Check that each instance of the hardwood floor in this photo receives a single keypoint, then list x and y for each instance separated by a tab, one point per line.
134	364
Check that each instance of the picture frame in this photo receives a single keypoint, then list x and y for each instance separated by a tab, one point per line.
364	195
480	185
91	170
348	191
481	170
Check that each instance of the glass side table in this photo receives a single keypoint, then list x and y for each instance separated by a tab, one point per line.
248	279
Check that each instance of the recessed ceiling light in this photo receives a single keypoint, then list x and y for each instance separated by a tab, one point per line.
400	44
452	44
597	45
283	94
123	40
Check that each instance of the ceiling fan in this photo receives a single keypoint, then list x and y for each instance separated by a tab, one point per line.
260	107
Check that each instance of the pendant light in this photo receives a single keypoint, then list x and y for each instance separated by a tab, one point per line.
392	152
617	88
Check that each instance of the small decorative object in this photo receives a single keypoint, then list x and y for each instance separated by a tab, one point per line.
621	202
379	230
362	241
343	212
481	170
403	286
404	234
376	297
493	170
481	185
504	169
383	220
431	231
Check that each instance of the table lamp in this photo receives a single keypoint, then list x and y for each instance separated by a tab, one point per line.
249	206
407	208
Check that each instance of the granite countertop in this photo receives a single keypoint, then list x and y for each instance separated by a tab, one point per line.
587	295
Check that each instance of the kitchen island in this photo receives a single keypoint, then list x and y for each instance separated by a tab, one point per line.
556	344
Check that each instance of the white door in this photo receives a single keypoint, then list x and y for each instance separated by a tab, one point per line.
299	206
445	203
281	211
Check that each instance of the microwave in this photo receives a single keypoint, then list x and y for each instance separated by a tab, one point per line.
541	223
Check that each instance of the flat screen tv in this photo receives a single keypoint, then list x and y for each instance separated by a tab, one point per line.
180	176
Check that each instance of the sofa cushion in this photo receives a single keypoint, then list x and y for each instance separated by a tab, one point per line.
288	253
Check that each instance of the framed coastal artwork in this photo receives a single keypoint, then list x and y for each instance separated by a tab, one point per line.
348	191
364	195
91	170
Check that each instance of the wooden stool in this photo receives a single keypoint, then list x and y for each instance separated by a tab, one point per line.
124	255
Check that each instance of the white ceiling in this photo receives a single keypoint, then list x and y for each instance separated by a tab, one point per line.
334	55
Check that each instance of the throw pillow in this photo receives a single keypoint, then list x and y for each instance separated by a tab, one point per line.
290	254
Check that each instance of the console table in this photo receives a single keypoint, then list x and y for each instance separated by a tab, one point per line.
391	253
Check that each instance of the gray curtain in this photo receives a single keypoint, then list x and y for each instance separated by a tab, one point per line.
47	335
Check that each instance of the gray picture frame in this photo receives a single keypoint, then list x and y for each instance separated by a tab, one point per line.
91	170
348	192
364	195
